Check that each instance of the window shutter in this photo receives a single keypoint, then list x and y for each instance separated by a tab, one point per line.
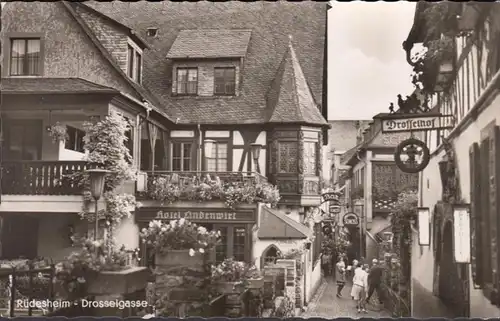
476	219
494	196
484	213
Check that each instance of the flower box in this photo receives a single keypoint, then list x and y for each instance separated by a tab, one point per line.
257	283
179	258
119	282
229	287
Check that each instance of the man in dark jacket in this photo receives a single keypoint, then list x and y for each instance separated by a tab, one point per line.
375	281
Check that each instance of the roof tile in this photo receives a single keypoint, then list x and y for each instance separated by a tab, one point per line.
51	85
275	224
210	43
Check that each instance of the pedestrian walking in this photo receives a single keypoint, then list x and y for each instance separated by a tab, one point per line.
360	288
375	281
326	261
355	269
341	275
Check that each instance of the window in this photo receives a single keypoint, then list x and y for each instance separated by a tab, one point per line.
221	249
75	139
218	162
288	157
129	143
187	81
182	156
225	81
239	243
310	158
25	59
134	64
269	256
484	175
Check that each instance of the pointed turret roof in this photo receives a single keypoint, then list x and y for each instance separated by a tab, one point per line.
290	99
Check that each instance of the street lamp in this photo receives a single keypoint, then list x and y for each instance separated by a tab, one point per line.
256	155
97	177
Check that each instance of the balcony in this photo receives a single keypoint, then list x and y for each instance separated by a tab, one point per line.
41	177
229	187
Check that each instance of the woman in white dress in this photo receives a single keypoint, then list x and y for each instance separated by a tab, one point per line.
360	287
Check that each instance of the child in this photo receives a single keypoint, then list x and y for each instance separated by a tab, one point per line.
341	278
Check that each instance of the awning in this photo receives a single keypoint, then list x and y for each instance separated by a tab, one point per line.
277	225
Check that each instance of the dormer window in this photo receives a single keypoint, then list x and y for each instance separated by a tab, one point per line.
134	64
152	32
225	81
187	81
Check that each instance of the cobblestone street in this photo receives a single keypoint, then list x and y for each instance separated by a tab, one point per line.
325	304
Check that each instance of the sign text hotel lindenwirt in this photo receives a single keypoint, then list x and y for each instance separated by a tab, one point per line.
417	123
196	216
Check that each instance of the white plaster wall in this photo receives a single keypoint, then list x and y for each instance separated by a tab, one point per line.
127	233
431	189
377	225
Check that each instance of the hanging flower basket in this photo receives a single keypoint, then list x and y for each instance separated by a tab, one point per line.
58	132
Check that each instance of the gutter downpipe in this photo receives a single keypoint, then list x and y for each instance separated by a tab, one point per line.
362	222
200	146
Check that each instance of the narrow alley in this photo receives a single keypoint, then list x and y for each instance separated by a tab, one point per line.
326	304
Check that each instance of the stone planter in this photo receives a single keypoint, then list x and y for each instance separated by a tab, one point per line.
257	283
119	282
179	258
229	287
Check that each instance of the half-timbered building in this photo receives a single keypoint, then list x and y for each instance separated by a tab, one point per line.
464	161
245	79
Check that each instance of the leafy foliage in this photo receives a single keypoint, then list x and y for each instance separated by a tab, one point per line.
285	308
58	132
179	235
233	271
168	189
91	257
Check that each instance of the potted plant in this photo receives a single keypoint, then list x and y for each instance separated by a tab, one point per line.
231	276
255	279
98	268
58	132
179	242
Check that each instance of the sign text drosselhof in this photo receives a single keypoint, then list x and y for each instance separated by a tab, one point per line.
417	123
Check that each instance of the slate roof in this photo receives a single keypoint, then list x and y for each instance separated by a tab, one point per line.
289	99
270	23
276	225
52	86
210	43
128	31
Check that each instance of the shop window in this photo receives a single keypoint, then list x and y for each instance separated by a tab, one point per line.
270	256
287	157
221	248
239	243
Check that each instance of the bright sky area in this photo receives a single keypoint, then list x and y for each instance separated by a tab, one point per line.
367	67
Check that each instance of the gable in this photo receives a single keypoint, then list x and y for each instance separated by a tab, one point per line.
114	40
276	225
69	52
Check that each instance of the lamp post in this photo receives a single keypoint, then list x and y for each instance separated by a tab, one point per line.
208	145
256	155
97	178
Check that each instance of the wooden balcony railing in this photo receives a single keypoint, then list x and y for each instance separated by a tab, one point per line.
41	177
184	178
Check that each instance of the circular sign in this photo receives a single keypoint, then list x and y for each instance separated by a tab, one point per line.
350	219
412	155
334	209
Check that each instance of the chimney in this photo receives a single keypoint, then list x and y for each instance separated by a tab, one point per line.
359	132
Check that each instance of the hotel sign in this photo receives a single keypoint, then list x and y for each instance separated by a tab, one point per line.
423	122
196	215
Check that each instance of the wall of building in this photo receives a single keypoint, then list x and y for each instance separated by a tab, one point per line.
431	190
68	52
